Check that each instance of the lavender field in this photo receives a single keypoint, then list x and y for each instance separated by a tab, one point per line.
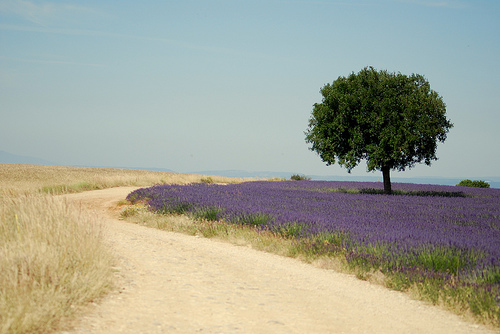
442	240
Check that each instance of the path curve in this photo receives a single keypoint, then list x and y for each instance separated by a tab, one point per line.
174	283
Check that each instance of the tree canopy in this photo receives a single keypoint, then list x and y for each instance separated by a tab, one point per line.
391	120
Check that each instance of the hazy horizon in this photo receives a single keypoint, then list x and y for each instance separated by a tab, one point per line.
494	181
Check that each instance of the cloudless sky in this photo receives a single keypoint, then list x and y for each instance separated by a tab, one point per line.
195	85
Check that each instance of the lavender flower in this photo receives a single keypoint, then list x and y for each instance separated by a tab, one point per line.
450	230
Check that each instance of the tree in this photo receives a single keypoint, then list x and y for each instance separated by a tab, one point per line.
391	120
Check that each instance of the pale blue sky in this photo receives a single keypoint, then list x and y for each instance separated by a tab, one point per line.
230	84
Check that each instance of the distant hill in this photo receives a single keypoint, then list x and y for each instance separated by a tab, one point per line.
9	158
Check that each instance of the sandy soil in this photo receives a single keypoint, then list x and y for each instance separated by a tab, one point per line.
173	283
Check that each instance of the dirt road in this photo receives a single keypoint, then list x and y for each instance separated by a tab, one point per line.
173	283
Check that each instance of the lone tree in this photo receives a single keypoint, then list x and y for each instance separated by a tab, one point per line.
393	121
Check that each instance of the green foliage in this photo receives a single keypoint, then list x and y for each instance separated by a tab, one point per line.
414	193
207	180
256	220
208	213
392	121
475	183
297	177
291	230
373	191
176	208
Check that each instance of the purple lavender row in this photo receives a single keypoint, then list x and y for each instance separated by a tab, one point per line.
467	223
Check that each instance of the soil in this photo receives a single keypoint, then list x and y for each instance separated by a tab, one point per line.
174	283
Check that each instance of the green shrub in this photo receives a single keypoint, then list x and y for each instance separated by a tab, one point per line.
208	213
475	183
207	180
297	177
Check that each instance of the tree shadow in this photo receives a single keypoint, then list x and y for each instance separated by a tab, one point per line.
422	193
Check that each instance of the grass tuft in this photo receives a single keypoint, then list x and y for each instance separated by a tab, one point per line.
52	261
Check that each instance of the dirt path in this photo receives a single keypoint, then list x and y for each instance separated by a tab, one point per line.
173	283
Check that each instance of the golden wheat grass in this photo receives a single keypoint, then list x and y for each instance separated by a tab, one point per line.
22	179
52	260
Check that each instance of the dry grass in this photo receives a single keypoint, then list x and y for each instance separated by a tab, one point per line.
23	179
52	261
52	258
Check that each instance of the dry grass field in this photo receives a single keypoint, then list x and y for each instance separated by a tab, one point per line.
27	179
51	253
52	262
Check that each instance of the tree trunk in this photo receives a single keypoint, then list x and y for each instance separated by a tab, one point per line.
386	172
